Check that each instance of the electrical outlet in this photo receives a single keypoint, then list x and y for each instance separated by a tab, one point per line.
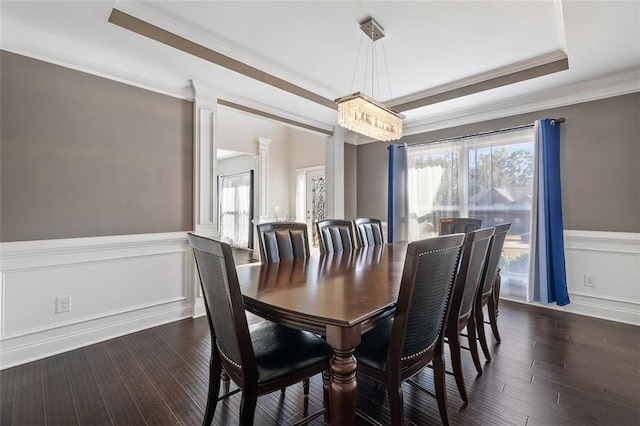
63	304
589	280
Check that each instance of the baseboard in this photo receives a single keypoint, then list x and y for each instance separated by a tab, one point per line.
17	352
595	307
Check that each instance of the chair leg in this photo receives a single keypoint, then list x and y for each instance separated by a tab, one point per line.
305	386
482	336
395	403
456	363
326	383
493	319
473	344
441	392
496	291
248	406
215	368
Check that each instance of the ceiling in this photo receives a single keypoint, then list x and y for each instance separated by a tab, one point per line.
429	46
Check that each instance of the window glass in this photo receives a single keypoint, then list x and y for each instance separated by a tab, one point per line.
487	177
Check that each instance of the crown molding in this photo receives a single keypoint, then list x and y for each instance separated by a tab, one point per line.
28	42
25	41
548	63
587	91
273	113
150	13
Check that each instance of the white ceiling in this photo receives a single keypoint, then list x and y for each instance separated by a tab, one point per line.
314	44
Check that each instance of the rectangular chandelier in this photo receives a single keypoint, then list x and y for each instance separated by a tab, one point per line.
365	116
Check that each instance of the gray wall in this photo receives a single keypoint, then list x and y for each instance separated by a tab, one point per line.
600	160
85	156
350	181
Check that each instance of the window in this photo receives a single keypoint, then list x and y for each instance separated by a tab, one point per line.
487	177
236	209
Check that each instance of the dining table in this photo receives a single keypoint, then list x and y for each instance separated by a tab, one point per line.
337	295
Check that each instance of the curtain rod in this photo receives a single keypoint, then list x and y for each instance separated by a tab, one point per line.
554	121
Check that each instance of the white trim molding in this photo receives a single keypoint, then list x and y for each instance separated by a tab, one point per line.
607	87
118	285
613	260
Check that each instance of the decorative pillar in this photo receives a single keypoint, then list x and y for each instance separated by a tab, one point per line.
205	197
263	177
205	188
334	173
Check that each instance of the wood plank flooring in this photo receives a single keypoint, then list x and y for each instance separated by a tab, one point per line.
552	368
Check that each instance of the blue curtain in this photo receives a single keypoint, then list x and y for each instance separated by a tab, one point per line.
397	194
547	271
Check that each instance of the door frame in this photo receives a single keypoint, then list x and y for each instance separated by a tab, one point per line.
301	191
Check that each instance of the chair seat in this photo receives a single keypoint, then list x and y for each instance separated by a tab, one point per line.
281	351
373	349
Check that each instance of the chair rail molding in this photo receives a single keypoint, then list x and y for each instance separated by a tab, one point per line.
117	285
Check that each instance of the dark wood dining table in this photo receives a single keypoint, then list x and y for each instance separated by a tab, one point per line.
340	296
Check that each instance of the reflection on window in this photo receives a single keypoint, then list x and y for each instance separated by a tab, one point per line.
487	177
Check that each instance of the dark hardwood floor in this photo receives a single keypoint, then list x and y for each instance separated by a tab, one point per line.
552	368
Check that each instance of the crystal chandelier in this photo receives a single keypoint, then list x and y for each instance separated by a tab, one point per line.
363	115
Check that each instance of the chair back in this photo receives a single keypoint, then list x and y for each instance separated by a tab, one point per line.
468	278
423	300
454	225
335	236
282	241
368	232
224	307
495	252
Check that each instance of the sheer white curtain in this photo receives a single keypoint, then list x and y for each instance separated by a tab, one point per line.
489	177
235	206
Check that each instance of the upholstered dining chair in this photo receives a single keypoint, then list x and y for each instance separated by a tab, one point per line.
282	241
335	235
402	346
259	359
368	232
466	285
453	225
486	291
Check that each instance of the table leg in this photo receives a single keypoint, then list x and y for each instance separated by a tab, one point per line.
343	389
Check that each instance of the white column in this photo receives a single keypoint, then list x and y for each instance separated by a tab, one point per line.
205	197
205	188
334	174
262	176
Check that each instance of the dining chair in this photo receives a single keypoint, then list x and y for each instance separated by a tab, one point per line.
465	288
335	235
486	294
282	241
453	225
400	347
259	359
368	232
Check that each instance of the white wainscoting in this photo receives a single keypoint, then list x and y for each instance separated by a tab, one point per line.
613	258
117	285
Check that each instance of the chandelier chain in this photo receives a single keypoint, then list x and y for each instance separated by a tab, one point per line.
355	68
386	65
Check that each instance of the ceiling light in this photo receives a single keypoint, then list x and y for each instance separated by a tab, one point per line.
360	113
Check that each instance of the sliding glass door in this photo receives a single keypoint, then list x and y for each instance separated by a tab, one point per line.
487	177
